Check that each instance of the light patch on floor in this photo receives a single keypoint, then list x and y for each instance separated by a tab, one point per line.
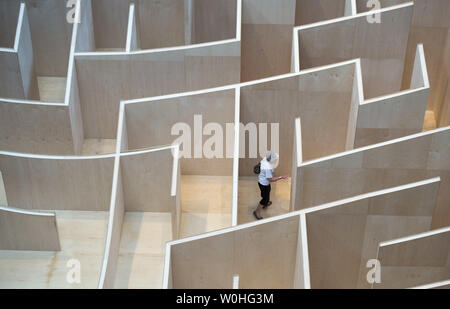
52	89
249	196
82	235
96	146
206	203
142	249
429	122
207	194
199	223
3	200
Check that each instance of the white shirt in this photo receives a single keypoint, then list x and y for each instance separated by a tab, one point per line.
266	172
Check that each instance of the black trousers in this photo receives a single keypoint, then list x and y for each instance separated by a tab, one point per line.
265	194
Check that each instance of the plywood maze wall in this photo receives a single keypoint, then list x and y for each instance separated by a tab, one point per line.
92	173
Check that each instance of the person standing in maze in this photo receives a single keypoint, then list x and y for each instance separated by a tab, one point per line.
265	178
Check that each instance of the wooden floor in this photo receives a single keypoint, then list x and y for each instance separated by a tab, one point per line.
206	203
3	200
52	89
249	197
142	249
82	235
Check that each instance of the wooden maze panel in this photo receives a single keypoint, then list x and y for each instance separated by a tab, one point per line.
416	260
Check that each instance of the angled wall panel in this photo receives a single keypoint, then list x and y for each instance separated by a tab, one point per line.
26	230
415	260
18	79
391	117
51	35
38	127
133	39
376	167
146	128
110	23
444	115
381	46
213	20
57	183
147	181
161	23
322	99
302	278
266	37
11	84
35	128
396	115
9	15
104	80
143	183
116	217
431	27
312	11
26	58
74	111
3	197
85	41
344	238
366	5
263	255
